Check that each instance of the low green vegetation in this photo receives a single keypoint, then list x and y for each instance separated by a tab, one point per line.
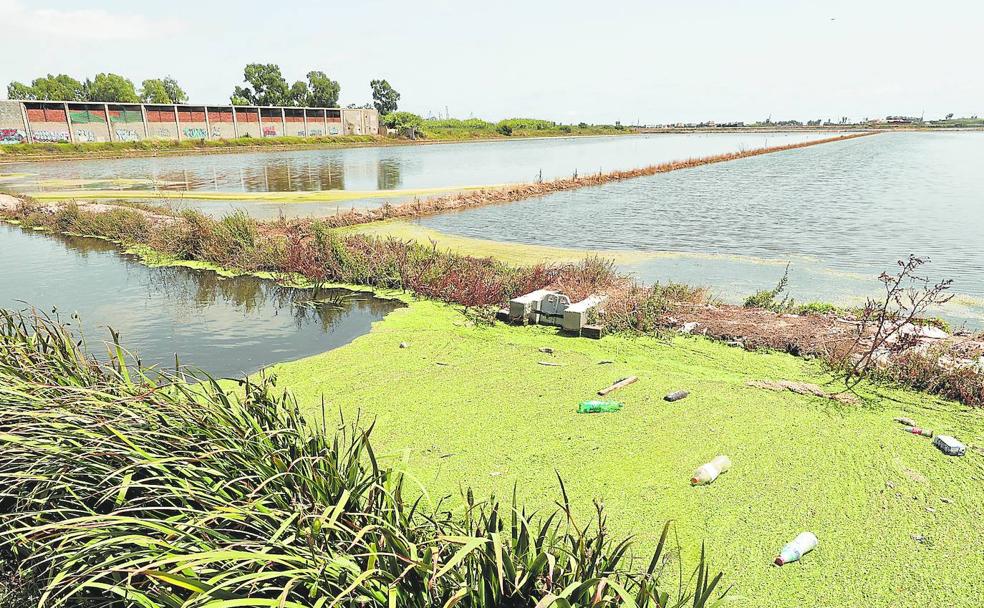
467	403
476	128
118	490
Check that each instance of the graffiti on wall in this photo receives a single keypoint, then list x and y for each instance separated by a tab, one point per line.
46	136
269	131
216	132
84	136
333	130
12	136
195	133
127	135
163	133
315	132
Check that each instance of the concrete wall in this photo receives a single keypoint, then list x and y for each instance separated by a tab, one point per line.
127	123
12	127
248	124
133	122
359	121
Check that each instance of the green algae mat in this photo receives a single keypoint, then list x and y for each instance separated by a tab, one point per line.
899	523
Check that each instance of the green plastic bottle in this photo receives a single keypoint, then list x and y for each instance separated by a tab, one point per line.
598	407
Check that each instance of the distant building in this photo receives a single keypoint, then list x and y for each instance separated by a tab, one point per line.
79	122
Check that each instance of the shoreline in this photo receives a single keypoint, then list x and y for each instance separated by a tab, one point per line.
171	149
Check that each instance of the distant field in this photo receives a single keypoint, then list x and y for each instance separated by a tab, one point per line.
490	416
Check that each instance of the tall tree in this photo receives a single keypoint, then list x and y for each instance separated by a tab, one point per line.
111	88
19	90
174	91
152	91
299	94
269	88
166	90
52	88
324	90
384	97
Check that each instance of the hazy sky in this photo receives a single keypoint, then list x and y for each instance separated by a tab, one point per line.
651	61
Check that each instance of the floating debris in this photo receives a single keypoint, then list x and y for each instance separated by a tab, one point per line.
598	407
620	384
676	396
801	545
949	445
707	473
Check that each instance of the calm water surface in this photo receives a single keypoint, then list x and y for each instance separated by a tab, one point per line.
839	213
224	326
379	168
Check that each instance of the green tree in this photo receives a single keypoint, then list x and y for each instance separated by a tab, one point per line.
19	90
153	91
404	122
239	100
384	97
267	86
111	88
53	88
174	91
299	94
324	90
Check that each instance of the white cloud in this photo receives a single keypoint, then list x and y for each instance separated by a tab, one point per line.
84	24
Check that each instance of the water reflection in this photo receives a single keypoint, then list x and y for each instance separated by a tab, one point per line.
226	326
384	168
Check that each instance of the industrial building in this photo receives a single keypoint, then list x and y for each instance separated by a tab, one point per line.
80	122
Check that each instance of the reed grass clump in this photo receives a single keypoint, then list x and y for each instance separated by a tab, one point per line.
120	490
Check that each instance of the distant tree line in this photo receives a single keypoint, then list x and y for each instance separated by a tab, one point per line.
265	86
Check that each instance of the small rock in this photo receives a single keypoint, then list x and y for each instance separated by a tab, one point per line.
930	510
689	327
404	345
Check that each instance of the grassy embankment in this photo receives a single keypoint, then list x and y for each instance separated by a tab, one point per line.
434	131
484	412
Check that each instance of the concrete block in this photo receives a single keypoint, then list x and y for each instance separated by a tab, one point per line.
576	315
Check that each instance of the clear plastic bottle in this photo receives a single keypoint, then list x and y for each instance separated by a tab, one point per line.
915	430
706	473
801	545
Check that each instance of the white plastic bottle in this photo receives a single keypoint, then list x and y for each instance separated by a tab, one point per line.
801	545
707	473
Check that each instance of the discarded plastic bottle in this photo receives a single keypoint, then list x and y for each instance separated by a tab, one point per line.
906	421
915	430
801	545
706	473
676	396
598	407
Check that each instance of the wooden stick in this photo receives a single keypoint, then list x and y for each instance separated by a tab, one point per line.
617	385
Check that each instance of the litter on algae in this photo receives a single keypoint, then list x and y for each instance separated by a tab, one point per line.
598	407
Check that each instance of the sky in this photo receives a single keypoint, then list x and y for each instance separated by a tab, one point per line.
638	62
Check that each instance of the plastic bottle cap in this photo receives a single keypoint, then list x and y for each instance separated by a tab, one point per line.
779	561
694	481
